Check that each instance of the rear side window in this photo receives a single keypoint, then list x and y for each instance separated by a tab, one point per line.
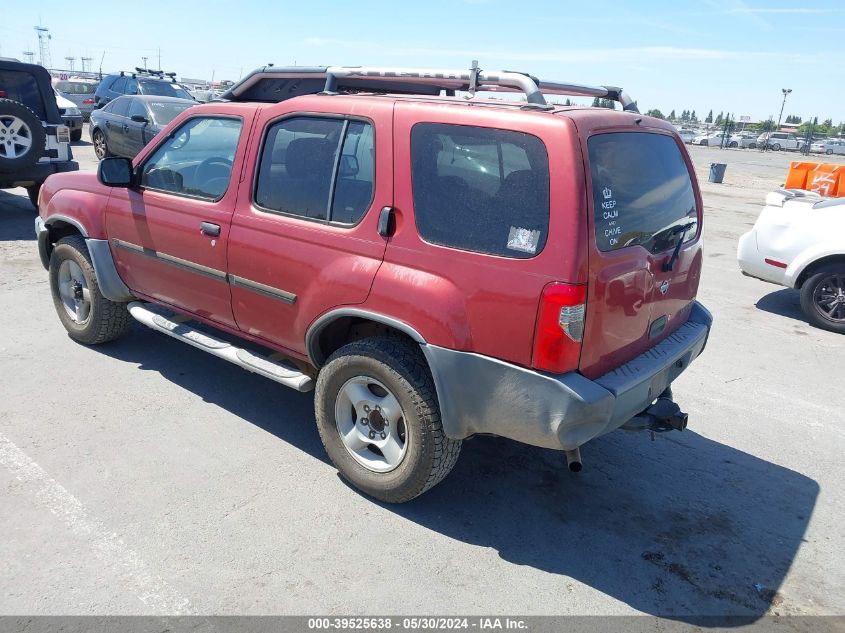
642	192
480	189
75	87
22	87
319	168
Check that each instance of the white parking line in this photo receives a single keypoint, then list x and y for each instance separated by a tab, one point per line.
150	589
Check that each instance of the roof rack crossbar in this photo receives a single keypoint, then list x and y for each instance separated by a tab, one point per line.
433	78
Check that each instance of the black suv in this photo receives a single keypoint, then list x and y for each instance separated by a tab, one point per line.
34	142
140	82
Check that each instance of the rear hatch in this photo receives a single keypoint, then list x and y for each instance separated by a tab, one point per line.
644	245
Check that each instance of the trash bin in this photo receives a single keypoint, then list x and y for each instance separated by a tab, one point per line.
717	172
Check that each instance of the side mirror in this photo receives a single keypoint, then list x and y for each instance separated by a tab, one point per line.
115	172
139	118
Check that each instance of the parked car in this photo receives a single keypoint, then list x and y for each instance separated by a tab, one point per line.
745	140
141	83
828	146
71	116
359	245
779	140
710	138
126	124
687	135
798	241
34	142
81	92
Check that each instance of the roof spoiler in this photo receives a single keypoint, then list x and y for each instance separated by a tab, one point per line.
426	81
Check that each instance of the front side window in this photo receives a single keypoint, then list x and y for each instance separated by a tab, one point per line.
119	85
136	108
131	87
196	159
319	168
642	191
480	189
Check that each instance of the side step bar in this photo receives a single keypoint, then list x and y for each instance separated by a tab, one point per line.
276	371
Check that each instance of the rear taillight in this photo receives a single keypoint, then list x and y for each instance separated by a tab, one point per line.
560	327
88	102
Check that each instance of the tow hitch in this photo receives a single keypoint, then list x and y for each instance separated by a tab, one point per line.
664	415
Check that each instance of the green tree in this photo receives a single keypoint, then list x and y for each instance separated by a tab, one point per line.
672	116
709	118
719	119
693	118
568	102
685	115
657	114
596	103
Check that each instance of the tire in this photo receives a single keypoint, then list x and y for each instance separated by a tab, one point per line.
76	136
97	319
752	146
775	147
101	147
22	136
32	192
819	294
829	152
704	143
374	370
733	144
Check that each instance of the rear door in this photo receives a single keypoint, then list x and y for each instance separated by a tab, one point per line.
305	235
645	251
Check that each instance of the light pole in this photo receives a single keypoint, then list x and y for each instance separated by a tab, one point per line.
785	92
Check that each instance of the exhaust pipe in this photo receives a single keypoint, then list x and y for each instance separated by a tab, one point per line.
573	460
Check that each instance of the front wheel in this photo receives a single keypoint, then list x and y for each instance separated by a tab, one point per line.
776	147
828	152
32	191
379	419
87	315
823	298
733	144
704	143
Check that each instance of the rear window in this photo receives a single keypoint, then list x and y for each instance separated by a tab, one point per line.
22	87
642	192
164	89
480	189
75	87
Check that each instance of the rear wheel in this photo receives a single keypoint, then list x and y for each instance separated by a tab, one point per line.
33	191
823	298
101	148
733	144
828	152
87	315
379	419
776	147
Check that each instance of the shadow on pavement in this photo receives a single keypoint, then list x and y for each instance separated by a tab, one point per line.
784	302
17	216
682	527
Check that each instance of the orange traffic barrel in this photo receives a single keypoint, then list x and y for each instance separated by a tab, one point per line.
826	179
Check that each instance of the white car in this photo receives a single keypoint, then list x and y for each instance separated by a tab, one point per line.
712	138
687	135
828	146
779	140
799	242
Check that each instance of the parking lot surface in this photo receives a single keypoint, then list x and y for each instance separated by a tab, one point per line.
145	477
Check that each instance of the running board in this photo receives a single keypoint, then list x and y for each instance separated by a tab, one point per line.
172	326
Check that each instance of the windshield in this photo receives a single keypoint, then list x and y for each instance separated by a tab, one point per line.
642	192
164	112
164	89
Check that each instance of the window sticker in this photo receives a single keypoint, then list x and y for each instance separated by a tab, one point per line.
524	240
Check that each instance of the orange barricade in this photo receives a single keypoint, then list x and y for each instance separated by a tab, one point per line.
826	179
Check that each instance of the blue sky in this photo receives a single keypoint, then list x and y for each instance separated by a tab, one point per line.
731	55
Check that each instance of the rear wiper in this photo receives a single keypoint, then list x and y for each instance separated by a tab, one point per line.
683	231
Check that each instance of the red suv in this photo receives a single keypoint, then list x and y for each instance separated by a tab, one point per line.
434	266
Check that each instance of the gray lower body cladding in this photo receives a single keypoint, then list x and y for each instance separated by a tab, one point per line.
479	394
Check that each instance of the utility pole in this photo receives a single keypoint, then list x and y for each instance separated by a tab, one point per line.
30	56
785	92
44	38
86	64
145	61
70	59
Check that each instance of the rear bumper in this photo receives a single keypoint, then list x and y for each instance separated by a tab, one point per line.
752	263
479	394
36	174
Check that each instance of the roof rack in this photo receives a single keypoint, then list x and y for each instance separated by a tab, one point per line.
410	81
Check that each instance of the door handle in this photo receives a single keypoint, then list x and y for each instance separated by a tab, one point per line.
385	222
210	229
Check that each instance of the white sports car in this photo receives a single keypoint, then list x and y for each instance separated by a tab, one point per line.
799	242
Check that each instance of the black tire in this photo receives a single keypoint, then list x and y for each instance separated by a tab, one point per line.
733	144
752	146
101	147
828	152
775	147
14	156
106	320
76	136
831	276
398	365
704	143
33	191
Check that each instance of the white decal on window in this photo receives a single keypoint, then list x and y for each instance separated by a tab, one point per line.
524	240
